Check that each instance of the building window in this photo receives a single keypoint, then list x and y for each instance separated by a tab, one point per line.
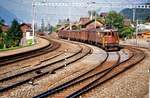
31	33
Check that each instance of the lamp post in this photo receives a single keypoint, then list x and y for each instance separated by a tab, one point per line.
97	40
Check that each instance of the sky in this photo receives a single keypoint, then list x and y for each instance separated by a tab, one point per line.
51	14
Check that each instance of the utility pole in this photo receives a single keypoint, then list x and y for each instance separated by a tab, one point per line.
33	20
134	11
95	27
42	25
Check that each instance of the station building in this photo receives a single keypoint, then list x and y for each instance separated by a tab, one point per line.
28	36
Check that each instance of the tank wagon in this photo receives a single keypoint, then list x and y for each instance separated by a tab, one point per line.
108	39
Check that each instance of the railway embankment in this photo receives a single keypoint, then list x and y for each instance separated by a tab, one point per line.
41	43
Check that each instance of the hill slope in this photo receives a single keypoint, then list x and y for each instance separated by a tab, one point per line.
7	15
140	14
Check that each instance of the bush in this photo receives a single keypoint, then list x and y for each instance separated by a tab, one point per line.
1	46
126	32
29	42
8	42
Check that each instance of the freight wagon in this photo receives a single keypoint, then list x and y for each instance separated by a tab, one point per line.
108	39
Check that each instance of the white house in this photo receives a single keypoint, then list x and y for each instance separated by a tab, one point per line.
28	36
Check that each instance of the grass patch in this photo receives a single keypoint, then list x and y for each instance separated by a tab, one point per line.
13	48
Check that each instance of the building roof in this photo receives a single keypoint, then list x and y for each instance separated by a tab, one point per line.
5	25
26	24
93	20
25	27
62	27
84	20
103	14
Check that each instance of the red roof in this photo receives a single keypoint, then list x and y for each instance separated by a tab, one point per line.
26	24
84	20
5	25
103	14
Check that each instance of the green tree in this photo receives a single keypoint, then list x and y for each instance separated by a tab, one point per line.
2	21
1	34
8	40
126	32
147	19
1	39
15	33
114	20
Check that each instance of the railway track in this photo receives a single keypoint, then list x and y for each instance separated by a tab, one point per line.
137	56
38	59
94	78
26	55
46	67
42	64
30	62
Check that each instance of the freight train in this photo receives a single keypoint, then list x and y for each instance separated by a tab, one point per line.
107	39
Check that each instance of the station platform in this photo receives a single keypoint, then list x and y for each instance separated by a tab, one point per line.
41	43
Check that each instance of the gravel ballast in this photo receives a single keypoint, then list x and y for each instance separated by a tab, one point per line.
87	63
133	83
